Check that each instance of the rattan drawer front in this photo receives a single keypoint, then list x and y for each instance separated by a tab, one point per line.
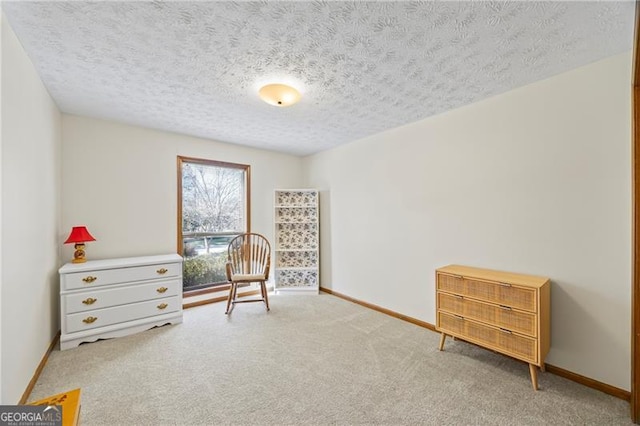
449	323
501	294
520	322
450	283
520	347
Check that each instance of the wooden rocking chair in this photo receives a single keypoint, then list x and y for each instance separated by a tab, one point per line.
248	261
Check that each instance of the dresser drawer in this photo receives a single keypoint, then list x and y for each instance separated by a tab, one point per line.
512	344
106	297
450	283
500	293
117	314
500	316
102	277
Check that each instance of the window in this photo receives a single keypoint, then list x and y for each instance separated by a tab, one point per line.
213	207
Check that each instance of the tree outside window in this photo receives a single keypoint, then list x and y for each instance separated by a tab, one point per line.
213	208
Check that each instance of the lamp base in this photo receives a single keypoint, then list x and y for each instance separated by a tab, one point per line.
78	255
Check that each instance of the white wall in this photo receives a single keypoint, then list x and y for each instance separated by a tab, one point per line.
121	182
30	202
536	180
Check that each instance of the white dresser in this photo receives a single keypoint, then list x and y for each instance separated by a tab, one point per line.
101	299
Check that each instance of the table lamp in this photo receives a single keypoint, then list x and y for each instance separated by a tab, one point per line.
79	235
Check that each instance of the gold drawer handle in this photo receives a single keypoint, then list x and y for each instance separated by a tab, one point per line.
161	289
162	306
89	279
457	296
162	271
504	330
89	320
505	284
89	301
506	308
459	316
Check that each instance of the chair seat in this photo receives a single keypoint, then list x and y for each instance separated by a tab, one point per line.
247	277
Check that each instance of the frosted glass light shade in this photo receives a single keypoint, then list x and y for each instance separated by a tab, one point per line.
279	95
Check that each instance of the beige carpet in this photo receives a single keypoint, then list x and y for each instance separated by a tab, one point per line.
311	360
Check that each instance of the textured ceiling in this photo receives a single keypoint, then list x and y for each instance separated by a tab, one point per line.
363	67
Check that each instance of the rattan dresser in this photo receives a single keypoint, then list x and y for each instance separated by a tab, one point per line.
501	311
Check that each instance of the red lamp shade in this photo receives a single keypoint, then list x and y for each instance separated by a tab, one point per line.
79	234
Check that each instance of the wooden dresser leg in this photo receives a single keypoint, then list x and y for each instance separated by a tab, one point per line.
534	376
542	367
442	337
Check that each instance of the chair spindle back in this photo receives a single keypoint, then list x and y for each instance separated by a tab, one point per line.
249	254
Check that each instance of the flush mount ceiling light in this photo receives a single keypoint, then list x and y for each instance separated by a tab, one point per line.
279	95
